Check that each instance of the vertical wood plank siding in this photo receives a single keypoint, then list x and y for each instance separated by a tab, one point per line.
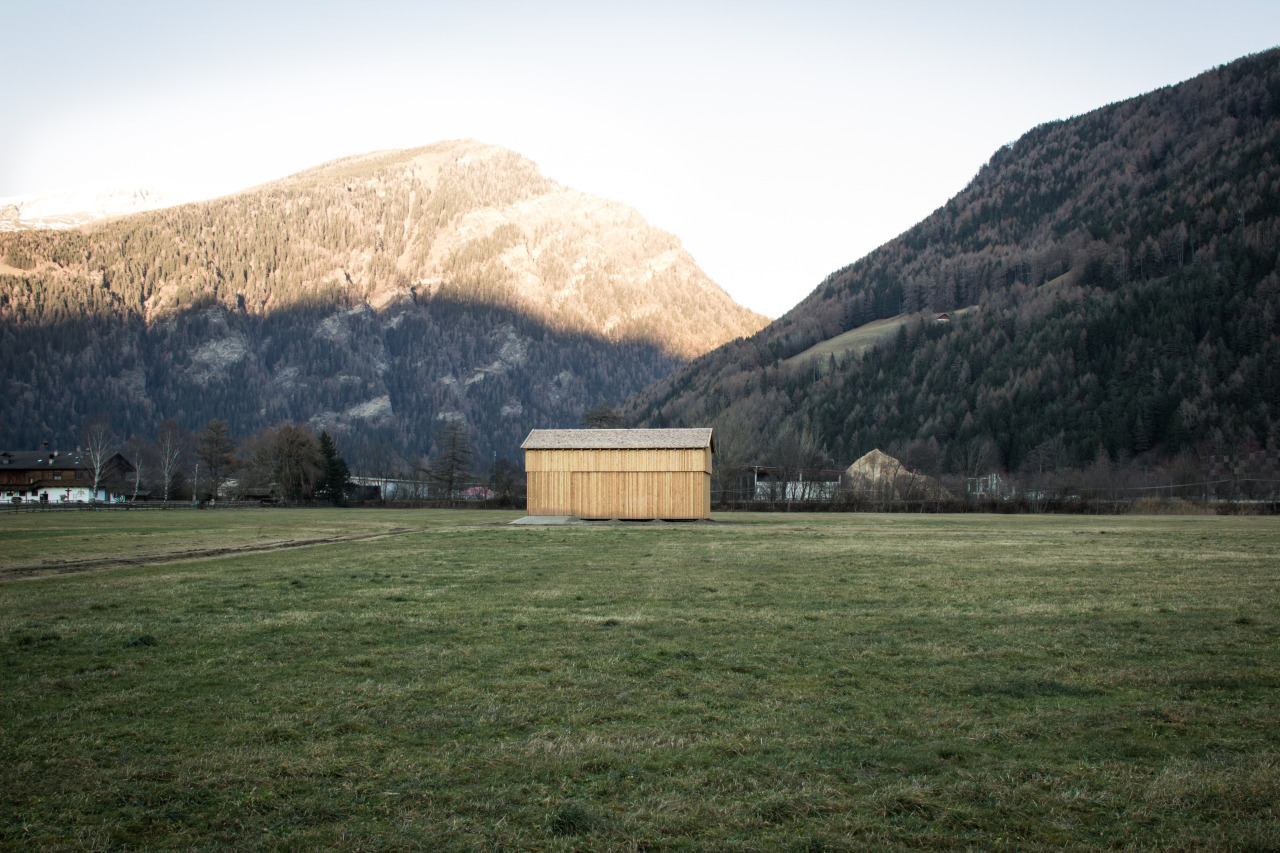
630	483
549	492
696	459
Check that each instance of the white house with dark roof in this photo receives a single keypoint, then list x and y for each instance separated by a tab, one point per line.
51	476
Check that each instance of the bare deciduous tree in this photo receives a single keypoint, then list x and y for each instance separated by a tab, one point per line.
979	456
796	453
173	447
287	459
99	449
733	440
603	416
142	456
921	456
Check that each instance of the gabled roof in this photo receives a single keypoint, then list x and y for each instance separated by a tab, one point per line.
47	460
619	439
53	460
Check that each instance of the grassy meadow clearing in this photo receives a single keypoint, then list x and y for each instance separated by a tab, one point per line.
761	682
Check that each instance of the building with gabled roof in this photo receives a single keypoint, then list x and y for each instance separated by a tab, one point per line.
619	473
59	476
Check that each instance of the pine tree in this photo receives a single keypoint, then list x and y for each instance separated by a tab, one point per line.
214	451
334	478
451	470
287	459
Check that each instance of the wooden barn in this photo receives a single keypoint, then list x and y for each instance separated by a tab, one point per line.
619	473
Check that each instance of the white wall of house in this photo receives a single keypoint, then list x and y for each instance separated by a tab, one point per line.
65	494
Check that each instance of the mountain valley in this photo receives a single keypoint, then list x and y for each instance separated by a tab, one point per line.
1105	291
1118	275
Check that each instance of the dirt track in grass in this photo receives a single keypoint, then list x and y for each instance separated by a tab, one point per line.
67	567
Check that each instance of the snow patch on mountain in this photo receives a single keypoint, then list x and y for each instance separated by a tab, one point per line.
72	208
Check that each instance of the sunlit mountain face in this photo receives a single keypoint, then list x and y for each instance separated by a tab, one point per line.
378	297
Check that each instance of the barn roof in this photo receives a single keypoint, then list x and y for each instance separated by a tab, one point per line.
619	439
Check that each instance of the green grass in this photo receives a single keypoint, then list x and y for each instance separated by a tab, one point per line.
766	682
859	340
855	341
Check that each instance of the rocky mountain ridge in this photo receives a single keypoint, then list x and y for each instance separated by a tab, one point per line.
378	297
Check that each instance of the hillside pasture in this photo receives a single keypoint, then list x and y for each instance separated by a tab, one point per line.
760	682
858	341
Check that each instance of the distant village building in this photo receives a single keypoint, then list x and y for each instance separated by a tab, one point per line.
992	487
619	473
51	476
780	484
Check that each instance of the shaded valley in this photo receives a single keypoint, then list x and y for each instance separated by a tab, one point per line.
378	298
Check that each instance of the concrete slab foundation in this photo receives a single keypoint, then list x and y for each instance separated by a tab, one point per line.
548	519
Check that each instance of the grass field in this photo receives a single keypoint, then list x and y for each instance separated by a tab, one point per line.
763	682
859	340
66	541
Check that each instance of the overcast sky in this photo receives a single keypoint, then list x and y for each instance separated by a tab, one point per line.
778	141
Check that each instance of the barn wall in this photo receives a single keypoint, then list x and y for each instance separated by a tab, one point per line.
549	492
620	483
640	494
696	459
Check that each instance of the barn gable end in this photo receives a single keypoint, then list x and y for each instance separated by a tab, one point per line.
619	473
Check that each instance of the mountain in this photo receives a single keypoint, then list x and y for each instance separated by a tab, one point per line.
71	208
1118	277
379	297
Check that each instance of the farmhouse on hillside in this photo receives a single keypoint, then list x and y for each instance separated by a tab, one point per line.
51	476
619	473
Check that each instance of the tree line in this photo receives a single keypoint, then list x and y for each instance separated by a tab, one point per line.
284	463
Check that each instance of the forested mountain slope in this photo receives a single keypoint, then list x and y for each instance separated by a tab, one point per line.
378	297
1123	265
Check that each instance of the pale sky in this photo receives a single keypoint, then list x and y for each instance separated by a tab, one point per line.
778	141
